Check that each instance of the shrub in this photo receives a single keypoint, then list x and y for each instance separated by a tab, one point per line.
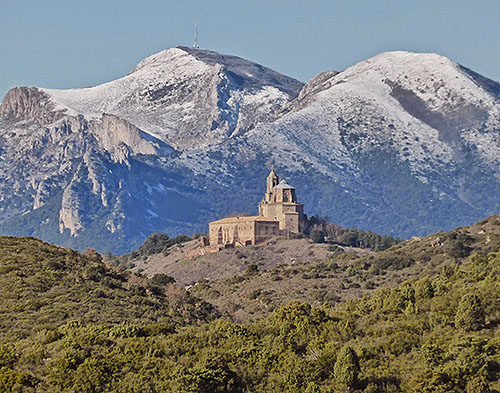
424	289
162	279
252	269
470	313
458	244
254	294
157	243
15	381
317	236
213	376
478	384
312	387
336	249
346	368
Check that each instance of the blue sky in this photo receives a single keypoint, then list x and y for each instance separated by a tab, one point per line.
72	43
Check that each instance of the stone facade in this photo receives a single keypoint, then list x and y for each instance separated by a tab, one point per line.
242	231
279	214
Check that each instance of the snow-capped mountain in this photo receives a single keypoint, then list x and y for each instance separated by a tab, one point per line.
185	96
422	105
401	143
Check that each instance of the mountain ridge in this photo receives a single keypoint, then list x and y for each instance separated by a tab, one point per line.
402	143
142	97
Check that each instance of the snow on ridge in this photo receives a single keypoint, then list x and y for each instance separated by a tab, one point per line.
250	72
181	61
361	93
170	65
177	96
431	76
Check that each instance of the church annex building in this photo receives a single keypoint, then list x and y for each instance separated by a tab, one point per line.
279	214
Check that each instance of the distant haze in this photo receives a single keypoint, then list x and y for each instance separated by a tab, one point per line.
61	44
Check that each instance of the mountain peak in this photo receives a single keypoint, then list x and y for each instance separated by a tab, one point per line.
404	62
244	72
428	80
167	58
185	97
247	72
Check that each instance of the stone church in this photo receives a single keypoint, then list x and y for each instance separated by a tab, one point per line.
279	214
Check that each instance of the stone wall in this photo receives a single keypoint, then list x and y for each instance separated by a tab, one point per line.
241	231
265	229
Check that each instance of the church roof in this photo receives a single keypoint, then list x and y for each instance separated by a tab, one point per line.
283	184
242	219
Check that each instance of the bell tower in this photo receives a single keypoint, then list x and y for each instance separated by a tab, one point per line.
271	181
280	204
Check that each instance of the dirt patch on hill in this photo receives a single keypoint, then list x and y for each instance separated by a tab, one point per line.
231	262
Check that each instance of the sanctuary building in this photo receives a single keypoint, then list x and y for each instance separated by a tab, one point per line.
279	214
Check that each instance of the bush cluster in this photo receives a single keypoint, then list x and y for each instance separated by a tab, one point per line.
319	230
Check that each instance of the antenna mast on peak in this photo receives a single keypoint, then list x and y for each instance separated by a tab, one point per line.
195	44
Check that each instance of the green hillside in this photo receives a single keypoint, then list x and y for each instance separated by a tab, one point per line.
43	286
435	333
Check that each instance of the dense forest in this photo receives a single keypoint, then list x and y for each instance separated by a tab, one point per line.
70	323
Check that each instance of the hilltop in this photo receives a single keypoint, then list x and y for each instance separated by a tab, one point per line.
247	283
345	274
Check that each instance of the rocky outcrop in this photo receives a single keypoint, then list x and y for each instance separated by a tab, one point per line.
70	213
120	138
42	194
29	103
